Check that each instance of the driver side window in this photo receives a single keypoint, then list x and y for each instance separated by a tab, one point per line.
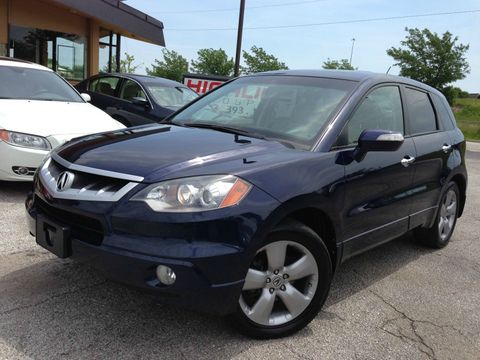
381	109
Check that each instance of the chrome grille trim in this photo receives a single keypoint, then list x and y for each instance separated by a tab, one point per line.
95	171
49	174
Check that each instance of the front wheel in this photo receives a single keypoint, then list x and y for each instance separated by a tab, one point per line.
440	233
286	283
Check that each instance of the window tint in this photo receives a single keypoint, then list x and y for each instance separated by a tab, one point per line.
381	109
104	85
130	90
422	116
444	113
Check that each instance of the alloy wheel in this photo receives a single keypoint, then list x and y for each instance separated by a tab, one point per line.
448	214
280	283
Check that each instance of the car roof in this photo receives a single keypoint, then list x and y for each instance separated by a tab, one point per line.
146	79
6	61
352	75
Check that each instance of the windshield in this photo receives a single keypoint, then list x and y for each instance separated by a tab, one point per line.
32	84
171	96
290	108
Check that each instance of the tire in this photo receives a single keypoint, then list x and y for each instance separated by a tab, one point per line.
440	233
276	304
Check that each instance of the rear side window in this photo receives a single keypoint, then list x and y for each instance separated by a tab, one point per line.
444	113
421	113
104	85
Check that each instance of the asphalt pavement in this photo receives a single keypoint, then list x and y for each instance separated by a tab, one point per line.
398	301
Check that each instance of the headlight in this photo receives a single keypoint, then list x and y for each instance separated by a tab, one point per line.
25	140
195	194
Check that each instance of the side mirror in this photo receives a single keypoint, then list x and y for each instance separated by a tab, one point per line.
140	101
377	140
86	97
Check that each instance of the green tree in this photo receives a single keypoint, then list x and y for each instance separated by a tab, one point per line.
213	62
126	65
429	58
172	67
259	61
343	64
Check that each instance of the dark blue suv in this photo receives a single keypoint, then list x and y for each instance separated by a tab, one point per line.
246	201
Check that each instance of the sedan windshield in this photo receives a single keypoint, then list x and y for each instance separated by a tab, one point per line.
293	109
171	96
32	84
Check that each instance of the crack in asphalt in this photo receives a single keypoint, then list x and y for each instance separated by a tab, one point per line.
22	307
418	338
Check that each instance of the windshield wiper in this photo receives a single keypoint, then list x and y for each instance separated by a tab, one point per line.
223	128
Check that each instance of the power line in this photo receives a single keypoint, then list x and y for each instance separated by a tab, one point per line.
236	9
331	22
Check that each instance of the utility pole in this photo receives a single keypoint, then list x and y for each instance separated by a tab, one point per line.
239	38
351	52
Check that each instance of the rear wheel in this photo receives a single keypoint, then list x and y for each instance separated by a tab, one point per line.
286	283
440	233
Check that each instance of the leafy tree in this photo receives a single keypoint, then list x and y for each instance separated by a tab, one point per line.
173	66
126	65
213	62
343	64
259	61
429	58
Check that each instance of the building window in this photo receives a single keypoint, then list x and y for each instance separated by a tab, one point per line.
61	52
109	54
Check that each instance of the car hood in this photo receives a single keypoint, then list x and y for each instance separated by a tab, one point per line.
161	152
51	118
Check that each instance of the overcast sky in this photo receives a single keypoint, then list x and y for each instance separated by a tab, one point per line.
308	47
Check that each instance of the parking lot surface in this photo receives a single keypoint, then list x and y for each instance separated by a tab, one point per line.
398	301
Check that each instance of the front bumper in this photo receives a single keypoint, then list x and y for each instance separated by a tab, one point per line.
13	156
209	257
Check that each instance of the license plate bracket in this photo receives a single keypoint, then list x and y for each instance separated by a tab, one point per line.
53	236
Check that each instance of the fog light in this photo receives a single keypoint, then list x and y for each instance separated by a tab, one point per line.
20	170
166	275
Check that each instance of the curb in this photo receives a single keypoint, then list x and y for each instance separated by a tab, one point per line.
473	146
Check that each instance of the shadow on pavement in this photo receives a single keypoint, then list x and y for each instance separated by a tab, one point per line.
14	191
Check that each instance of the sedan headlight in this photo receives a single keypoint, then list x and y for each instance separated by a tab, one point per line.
25	140
195	193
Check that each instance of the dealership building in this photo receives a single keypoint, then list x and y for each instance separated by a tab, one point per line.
76	38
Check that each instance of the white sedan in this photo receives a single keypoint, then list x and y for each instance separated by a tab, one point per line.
39	111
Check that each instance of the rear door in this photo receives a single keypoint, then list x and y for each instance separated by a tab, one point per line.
434	147
377	188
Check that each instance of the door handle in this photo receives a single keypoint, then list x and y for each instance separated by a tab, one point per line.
407	160
446	148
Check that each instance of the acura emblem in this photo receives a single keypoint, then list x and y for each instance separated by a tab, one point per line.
65	180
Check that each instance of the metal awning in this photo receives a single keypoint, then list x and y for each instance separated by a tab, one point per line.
129	21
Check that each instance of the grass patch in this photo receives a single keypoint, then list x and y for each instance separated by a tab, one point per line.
467	113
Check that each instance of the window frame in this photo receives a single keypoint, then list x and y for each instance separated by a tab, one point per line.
408	127
360	102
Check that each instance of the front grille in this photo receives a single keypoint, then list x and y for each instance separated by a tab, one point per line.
86	185
82	227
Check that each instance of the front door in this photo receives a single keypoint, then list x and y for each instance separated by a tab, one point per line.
377	188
